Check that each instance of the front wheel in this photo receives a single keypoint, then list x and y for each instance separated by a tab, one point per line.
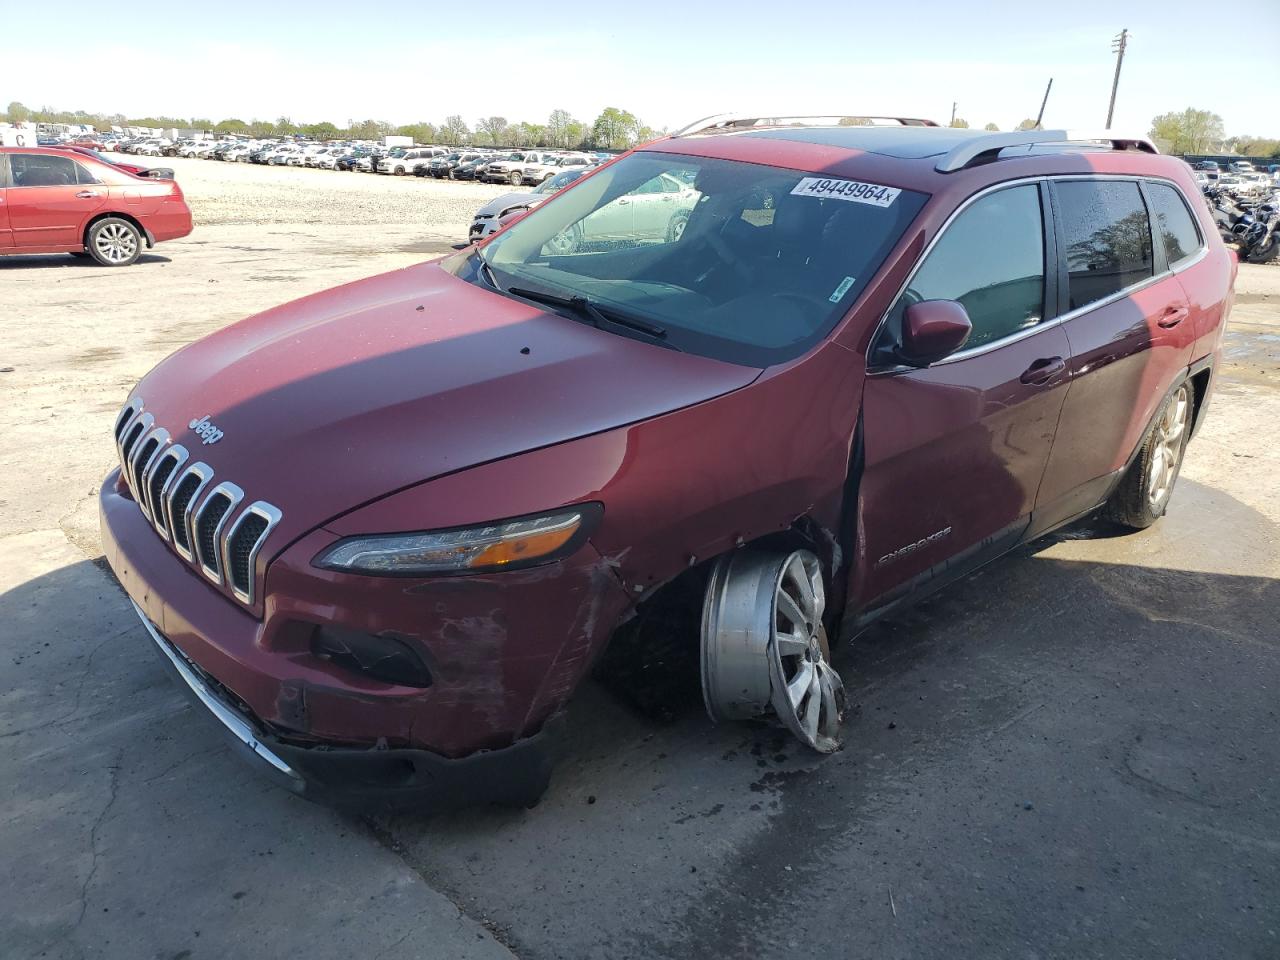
764	647
1143	494
517	178
1265	252
114	242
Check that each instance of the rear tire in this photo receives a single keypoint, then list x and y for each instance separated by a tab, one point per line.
1143	494
114	242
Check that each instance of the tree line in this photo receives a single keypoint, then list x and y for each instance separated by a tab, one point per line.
613	129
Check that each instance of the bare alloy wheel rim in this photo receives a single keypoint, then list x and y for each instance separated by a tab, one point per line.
116	242
1167	450
764	648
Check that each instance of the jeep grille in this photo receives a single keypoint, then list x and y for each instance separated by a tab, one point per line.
203	522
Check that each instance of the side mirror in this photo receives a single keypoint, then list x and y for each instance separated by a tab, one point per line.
931	330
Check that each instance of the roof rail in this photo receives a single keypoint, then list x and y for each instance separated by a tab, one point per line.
971	151
738	121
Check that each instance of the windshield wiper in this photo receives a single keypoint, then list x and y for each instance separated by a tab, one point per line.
593	312
489	274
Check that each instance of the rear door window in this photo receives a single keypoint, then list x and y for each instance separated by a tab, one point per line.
1174	225
42	170
1106	237
990	259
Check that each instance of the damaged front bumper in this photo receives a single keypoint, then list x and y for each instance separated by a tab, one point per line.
367	778
504	651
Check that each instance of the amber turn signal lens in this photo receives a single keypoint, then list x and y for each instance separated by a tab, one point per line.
526	547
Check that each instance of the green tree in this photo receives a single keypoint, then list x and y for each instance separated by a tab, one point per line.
18	113
494	129
614	129
558	125
960	123
575	134
262	128
1187	131
991	128
202	123
365	130
455	131
421	132
854	122
321	131
285	126
230	126
1027	124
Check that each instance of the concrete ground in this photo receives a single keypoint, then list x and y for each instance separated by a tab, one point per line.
1073	753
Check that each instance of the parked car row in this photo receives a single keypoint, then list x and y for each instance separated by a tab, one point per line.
484	164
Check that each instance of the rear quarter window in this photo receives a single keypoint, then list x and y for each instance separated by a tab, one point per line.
1107	238
1175	228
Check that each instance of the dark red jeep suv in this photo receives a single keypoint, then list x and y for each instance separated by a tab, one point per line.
814	370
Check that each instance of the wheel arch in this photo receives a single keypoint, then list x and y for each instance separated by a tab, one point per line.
147	238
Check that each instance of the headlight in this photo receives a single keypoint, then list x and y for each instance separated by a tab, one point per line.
508	545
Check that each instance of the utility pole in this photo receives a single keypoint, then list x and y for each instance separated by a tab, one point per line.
1043	103
953	113
1118	44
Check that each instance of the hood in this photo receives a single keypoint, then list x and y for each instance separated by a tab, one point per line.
329	402
498	204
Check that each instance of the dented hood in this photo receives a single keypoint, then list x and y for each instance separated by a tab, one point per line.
340	398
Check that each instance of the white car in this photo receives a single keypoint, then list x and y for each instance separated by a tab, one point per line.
401	160
279	157
193	149
152	148
328	159
510	168
494	215
654	212
535	173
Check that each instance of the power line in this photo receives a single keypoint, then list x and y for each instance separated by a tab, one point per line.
1118	45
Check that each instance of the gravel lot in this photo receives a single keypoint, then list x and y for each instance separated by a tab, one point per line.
1074	753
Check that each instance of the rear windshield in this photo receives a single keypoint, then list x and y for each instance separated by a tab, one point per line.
746	263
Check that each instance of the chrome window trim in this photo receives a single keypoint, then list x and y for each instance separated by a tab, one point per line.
146	421
269	513
205	473
160	514
1043	325
234	494
138	469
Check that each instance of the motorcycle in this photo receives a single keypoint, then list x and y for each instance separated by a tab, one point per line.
1253	226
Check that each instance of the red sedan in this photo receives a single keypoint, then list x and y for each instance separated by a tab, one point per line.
53	202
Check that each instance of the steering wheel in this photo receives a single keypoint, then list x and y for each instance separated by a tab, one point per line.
729	257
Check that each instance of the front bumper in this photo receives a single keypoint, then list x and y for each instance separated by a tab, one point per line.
372	777
505	652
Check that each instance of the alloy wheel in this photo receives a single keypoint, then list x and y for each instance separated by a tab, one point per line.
116	243
764	648
1167	449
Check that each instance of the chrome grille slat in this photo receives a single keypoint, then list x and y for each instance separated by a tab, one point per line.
246	536
203	523
161	479
144	455
183	517
211	525
133	442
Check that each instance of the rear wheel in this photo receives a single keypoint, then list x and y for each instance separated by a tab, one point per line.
114	242
764	648
1143	494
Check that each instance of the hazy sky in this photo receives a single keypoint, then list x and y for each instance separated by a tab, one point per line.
667	63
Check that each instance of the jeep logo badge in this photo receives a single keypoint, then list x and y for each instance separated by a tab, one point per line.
205	430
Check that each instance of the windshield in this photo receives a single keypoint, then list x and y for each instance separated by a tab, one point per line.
742	262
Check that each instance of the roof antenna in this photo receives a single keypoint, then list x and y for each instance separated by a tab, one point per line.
1040	115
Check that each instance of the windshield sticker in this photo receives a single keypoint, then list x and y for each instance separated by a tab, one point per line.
841	290
852	190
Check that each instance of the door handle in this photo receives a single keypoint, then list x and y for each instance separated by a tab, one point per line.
1172	317
87	194
623	201
1043	370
